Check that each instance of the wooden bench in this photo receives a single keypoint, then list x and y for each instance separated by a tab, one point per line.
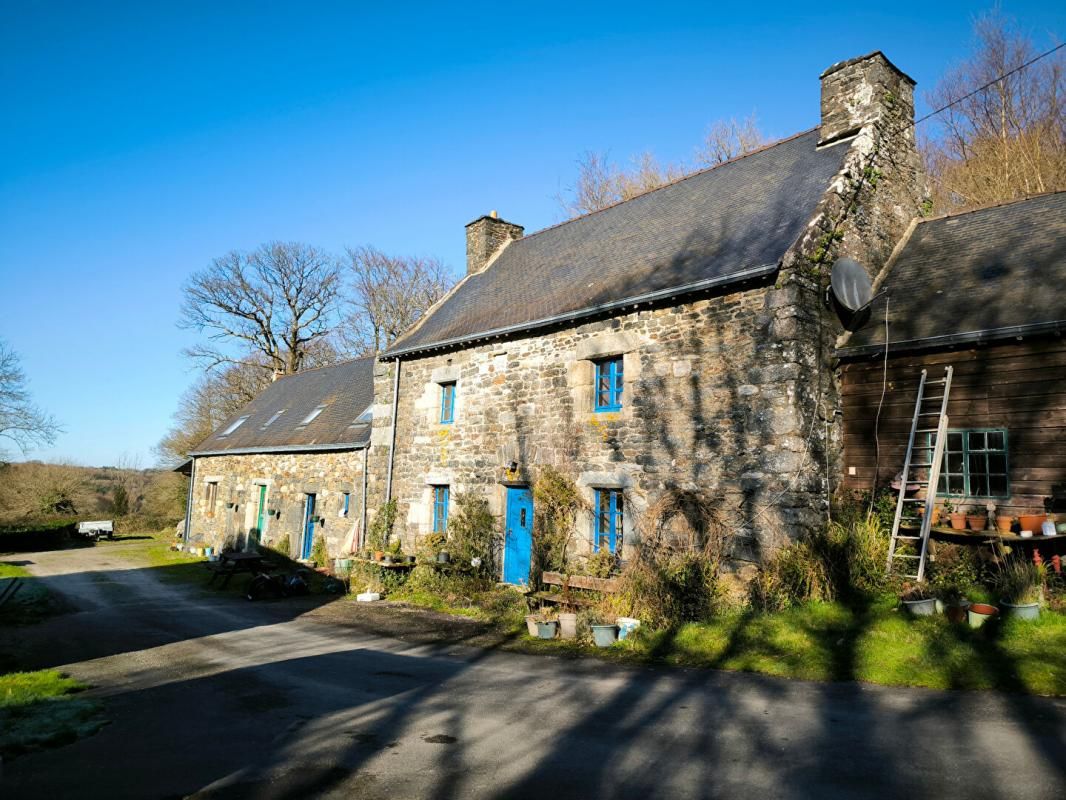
587	582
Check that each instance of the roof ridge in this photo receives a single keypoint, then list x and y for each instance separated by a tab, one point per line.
991	205
326	366
668	184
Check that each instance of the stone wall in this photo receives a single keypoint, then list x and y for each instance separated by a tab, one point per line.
712	398
289	478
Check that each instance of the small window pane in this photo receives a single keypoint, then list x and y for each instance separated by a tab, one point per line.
977	440
995	440
955	441
997	485
997	462
954	462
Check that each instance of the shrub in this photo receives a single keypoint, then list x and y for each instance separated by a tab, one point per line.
954	570
472	534
673	577
603	564
44	534
380	531
319	552
557	503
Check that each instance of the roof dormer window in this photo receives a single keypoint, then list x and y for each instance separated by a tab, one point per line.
310	417
236	424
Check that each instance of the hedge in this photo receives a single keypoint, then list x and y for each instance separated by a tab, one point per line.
36	534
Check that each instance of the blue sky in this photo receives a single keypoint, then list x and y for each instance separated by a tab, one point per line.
140	140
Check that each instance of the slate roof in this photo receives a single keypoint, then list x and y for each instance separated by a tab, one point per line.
980	275
724	224
346	390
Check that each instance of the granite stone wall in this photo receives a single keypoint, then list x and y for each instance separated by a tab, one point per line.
232	519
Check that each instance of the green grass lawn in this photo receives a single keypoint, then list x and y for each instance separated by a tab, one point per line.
876	644
42	709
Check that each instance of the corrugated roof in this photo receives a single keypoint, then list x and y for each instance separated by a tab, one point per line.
979	275
275	419
713	225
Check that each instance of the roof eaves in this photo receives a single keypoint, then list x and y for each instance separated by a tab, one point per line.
952	339
283	448
751	273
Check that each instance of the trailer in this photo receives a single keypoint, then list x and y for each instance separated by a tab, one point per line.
94	530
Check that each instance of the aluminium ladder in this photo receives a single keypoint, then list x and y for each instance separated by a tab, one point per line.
928	456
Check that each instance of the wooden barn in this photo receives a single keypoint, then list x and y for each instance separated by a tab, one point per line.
983	292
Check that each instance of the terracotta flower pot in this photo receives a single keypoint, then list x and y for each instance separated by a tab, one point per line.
978	522
958	522
1003	524
378	555
1032	522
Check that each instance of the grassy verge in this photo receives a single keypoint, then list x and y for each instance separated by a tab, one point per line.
41	709
875	644
30	603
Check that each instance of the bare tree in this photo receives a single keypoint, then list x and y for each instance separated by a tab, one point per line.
600	183
21	422
389	294
276	304
730	138
1007	140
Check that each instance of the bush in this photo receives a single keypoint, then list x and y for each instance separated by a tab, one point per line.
674	576
319	552
557	503
844	561
45	534
380	530
472	534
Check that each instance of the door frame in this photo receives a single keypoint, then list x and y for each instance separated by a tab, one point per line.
507	489
307	542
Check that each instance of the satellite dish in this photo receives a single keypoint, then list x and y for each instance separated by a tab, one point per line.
851	285
852	293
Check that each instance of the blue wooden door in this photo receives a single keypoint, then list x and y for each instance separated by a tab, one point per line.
518	540
309	527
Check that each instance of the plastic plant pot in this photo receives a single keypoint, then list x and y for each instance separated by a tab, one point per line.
605	635
546	630
567	626
980	613
920	608
531	624
626	626
1020	611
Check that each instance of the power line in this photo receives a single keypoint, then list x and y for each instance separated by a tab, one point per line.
1004	76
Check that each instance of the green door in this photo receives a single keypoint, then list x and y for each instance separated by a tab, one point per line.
257	532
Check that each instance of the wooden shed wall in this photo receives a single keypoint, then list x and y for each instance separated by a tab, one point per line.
1020	386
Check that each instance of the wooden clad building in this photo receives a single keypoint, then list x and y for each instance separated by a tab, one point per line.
983	292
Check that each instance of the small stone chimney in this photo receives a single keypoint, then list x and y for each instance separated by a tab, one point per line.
863	90
484	238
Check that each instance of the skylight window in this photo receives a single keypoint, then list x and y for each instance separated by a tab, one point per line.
312	415
237	423
273	419
365	418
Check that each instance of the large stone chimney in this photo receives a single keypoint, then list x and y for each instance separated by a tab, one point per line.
861	91
485	236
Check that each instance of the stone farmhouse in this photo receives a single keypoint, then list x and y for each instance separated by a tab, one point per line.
680	340
290	465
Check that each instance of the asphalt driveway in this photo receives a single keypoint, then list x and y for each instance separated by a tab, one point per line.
213	697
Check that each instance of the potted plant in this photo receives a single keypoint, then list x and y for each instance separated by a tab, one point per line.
379	554
918	600
567	625
980	613
955	515
443	557
547	628
977	518
1004	523
605	634
952	604
1032	522
1020	584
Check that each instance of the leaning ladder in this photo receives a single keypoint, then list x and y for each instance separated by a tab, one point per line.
921	456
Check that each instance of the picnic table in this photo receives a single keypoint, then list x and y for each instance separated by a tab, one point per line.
229	564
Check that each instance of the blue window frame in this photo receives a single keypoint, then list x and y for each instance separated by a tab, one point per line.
447	403
609	384
607	530
440	509
347	500
975	463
